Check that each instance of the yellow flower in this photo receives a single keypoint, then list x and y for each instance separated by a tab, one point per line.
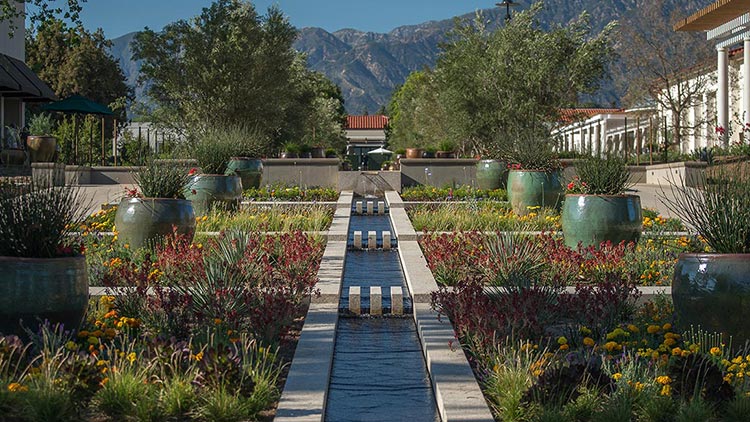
588	341
653	329
676	351
16	387
131	357
664	379
616	376
199	356
667	327
715	351
612	346
632	328
666	390
562	340
564	347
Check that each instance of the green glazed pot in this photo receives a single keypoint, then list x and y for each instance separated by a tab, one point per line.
250	171
491	174
528	189
713	291
593	219
35	289
142	221
214	191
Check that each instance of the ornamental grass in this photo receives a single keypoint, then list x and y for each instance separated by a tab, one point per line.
273	218
718	209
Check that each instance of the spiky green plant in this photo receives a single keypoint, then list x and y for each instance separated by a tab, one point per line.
603	176
214	146
41	125
162	180
35	219
718	210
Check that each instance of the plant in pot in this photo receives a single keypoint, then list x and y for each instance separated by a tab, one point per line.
250	145
711	288
596	208
290	150
330	153
534	176
305	151
159	210
42	268
11	153
40	142
212	188
446	149
414	152
429	152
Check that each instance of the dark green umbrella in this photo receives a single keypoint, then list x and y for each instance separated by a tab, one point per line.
77	104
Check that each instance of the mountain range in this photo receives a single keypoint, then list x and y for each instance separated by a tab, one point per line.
369	66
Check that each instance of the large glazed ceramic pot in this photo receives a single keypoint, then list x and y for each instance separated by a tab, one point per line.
13	157
250	170
41	148
414	152
530	189
713	291
38	289
491	174
593	219
214	191
143	221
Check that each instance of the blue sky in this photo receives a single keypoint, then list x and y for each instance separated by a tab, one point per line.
120	17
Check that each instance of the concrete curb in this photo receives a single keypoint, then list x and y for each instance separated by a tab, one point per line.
457	392
306	388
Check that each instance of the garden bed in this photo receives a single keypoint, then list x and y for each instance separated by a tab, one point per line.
423	193
209	344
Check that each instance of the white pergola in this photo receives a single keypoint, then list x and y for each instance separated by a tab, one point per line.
726	23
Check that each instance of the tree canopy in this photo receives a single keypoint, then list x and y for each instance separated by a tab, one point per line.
76	61
231	65
490	90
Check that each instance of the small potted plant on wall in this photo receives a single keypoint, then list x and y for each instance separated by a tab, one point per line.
11	153
159	209
42	268
290	150
596	207
446	149
711	287
212	187
40	142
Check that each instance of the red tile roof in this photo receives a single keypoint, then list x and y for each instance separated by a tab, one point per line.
569	115
367	122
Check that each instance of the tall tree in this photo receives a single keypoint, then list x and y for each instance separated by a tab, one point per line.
228	64
38	11
499	87
75	61
663	65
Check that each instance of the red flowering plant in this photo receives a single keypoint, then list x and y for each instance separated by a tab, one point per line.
576	185
240	282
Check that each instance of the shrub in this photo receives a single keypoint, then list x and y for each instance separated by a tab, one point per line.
162	180
601	176
41	125
214	146
719	212
35	219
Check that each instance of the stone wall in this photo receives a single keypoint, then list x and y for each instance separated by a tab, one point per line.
438	172
310	172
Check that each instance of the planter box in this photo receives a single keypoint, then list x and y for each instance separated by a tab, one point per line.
689	173
369	182
438	172
52	174
317	172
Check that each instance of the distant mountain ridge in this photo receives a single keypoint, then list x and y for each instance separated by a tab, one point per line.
369	66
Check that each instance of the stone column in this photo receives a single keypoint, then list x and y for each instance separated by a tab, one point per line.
597	140
722	94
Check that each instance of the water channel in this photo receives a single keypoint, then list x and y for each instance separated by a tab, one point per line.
379	373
